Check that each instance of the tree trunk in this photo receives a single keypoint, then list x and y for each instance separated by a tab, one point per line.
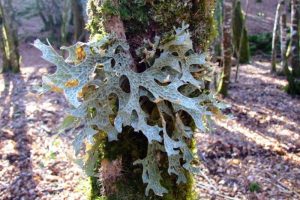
66	18
9	38
275	36
283	39
219	19
227	49
240	35
78	19
295	59
294	76
134	23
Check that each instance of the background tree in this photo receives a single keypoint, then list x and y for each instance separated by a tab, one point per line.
64	20
50	13
218	14
239	34
227	49
8	38
294	76
78	19
275	35
283	38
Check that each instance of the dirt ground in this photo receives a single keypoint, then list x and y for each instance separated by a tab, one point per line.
260	142
33	163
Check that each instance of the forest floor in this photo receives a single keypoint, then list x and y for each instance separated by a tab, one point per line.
254	154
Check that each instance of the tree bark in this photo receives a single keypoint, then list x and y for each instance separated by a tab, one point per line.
227	49
66	18
295	57
144	23
9	39
293	76
240	35
283	39
78	19
275	36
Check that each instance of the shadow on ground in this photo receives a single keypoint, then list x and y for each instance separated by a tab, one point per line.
22	183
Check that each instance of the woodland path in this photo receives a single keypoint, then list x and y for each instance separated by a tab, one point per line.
260	144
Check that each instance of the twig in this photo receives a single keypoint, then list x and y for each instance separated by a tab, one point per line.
207	179
280	185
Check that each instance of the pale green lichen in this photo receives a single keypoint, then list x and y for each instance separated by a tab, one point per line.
175	65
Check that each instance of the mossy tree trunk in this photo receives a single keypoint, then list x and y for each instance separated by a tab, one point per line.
227	49
240	35
78	19
219	19
295	57
72	15
134	22
294	76
8	38
65	22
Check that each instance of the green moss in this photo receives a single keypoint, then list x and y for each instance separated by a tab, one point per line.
95	22
245	49
238	35
293	86
132	146
142	18
199	16
261	43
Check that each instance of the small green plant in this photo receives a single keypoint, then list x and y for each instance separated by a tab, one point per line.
261	43
254	187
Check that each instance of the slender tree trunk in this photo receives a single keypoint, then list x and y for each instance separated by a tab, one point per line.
283	38
78	19
295	57
227	49
240	35
240	38
219	20
66	18
293	76
275	36
9	38
146	22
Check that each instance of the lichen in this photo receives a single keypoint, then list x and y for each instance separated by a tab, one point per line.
104	78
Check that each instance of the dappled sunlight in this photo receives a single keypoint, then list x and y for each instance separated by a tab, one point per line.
28	152
259	142
149	126
268	121
260	139
260	71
